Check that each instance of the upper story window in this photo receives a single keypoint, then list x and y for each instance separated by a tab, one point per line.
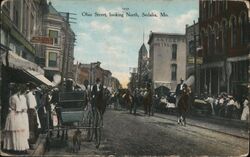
54	34
211	38
191	47
15	16
52	59
224	35
173	72
243	31
233	32
174	51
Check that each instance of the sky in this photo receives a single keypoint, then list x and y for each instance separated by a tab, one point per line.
115	41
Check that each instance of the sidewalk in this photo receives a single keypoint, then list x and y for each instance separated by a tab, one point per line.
39	148
215	124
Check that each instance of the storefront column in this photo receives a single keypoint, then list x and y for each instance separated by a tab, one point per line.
210	81
219	72
205	79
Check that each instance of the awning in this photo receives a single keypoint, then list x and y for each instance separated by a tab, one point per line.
212	65
18	62
190	80
39	77
25	76
239	58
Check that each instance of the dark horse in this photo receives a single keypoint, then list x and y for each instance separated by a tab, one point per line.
147	102
128	99
101	101
183	105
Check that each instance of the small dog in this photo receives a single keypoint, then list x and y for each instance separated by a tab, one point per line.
77	141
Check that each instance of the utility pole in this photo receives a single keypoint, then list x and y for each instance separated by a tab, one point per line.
195	60
64	72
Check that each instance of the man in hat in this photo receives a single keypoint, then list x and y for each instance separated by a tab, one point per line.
97	92
178	92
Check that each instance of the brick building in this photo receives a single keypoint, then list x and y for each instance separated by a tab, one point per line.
91	72
224	36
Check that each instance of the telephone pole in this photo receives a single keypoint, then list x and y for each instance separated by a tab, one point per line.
68	40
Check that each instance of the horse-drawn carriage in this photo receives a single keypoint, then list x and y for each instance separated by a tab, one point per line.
74	111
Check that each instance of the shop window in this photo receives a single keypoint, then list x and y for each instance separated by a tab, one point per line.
174	51
52	59
54	34
173	72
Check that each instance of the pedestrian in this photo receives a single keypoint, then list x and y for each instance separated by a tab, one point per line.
135	100
23	92
245	112
96	94
178	93
229	107
17	125
34	122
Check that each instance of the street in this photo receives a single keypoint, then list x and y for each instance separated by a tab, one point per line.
126	134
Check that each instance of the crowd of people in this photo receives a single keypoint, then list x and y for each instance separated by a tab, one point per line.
226	105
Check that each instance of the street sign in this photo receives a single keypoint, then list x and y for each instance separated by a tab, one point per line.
199	60
42	40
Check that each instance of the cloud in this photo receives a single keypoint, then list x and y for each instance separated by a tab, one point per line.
107	11
84	37
99	26
172	24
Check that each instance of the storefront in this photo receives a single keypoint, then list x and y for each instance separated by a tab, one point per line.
15	69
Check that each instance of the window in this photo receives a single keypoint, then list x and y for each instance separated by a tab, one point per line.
211	37
173	72
15	16
32	20
52	59
217	38
174	51
233	32
54	34
27	20
224	35
191	47
243	26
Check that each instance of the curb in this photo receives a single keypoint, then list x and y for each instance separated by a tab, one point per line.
40	146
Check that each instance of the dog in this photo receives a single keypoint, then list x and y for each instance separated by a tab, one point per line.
76	141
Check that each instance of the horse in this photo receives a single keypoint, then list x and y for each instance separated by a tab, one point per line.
183	105
101	101
147	102
128	99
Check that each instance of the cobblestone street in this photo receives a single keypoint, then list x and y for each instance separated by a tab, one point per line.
126	134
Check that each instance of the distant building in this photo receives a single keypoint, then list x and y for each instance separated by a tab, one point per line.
167	59
90	72
143	72
224	33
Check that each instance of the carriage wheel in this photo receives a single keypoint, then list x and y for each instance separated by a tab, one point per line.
90	124
98	125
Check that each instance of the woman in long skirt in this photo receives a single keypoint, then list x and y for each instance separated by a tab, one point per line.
15	133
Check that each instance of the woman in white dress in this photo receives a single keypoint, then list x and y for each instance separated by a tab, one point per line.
15	132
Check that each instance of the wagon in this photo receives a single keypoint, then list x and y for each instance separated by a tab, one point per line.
75	112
